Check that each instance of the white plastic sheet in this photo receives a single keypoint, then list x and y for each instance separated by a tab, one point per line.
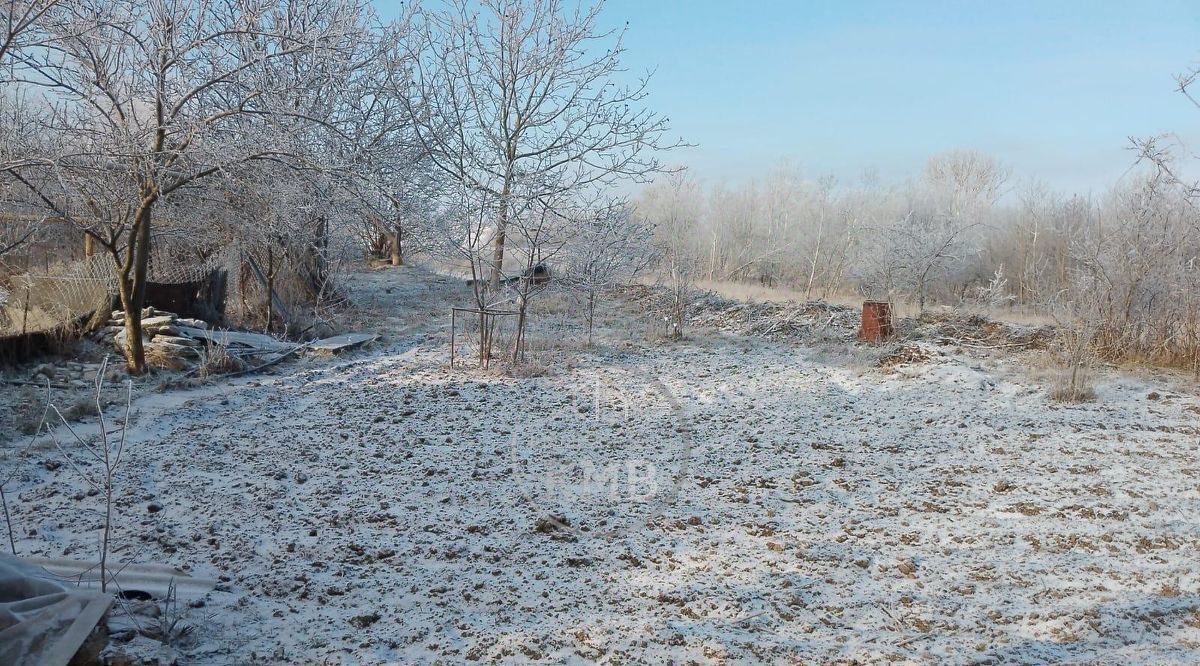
43	620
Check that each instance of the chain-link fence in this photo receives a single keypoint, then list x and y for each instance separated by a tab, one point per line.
234	285
40	302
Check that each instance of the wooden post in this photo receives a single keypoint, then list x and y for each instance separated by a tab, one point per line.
25	312
453	312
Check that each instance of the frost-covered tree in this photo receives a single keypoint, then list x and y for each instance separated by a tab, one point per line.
153	96
933	234
19	129
385	163
673	206
612	246
18	19
541	232
521	100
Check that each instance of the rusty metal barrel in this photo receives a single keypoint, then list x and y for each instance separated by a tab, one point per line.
876	321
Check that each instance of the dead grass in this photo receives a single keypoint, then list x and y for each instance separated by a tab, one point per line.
860	360
79	407
528	369
157	358
1169	590
215	360
556	303
1073	385
749	291
27	413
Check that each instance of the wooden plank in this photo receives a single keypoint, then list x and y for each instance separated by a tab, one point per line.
340	342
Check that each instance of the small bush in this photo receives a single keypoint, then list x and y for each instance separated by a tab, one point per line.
1076	348
1072	386
216	360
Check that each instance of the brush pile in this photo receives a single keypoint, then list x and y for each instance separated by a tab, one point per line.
810	320
813	321
780	321
977	331
905	354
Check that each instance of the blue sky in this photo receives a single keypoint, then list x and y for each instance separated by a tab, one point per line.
1052	88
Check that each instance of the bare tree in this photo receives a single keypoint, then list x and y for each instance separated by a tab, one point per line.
106	454
1163	152
17	18
1176	264
672	205
463	233
519	100
933	233
388	168
541	231
611	248
18	131
964	182
152	97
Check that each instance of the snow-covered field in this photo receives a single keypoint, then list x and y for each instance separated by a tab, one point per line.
720	500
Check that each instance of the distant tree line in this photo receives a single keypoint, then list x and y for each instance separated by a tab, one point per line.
1124	266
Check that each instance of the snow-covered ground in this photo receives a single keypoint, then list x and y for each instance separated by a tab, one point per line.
719	500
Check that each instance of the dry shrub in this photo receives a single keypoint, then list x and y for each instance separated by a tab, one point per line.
1137	278
1076	349
1170	590
545	355
80	407
27	411
216	360
156	357
554	303
1072	386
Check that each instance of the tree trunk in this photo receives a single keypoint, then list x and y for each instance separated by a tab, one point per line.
816	257
591	316
132	289
397	251
498	241
270	286
25	310
498	252
485	338
523	304
318	267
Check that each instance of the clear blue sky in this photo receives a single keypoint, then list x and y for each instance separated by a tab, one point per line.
1052	88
